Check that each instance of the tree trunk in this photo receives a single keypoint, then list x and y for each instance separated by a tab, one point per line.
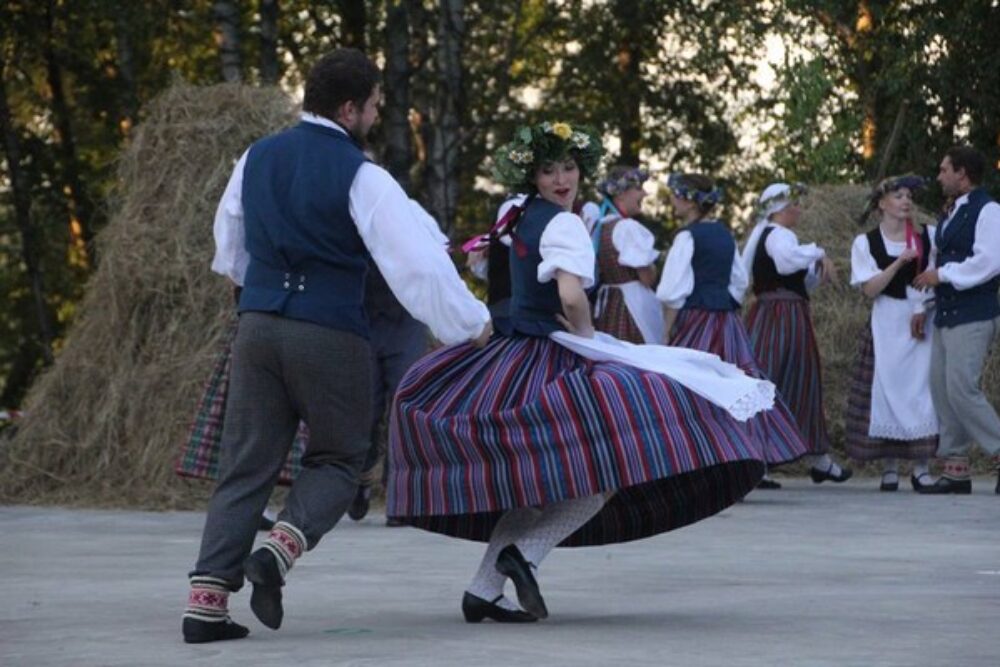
442	177
77	201
270	71
126	70
628	63
398	134
227	37
353	23
22	217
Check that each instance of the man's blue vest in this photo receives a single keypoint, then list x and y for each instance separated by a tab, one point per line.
307	260
533	305
712	263
954	243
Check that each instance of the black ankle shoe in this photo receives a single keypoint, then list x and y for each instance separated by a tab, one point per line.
997	490
889	486
262	570
768	484
511	563
265	523
359	506
475	609
945	486
202	632
917	484
818	476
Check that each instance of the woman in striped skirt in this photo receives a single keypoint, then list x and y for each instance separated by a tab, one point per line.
527	444
701	289
779	322
626	307
890	414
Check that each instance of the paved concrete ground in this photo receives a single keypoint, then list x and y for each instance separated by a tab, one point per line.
839	576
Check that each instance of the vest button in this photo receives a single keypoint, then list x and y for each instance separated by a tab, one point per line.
302	288
287	284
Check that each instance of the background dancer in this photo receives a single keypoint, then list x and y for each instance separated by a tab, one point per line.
890	414
625	307
966	318
779	321
701	288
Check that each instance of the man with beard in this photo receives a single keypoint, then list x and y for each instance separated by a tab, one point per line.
967	316
312	210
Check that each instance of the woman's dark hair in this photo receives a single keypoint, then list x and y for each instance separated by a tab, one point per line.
698	183
344	75
969	160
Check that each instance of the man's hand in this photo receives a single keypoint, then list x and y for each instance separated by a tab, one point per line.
484	335
928	278
917	324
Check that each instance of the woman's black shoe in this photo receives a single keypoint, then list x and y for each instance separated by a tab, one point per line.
202	632
511	563
818	475
890	482
475	609
917	484
768	483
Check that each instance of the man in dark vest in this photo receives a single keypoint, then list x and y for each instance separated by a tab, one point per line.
966	319
311	211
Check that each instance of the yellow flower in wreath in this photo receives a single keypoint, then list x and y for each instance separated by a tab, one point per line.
562	130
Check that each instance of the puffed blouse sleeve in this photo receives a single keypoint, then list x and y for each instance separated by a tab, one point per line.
634	244
863	265
565	245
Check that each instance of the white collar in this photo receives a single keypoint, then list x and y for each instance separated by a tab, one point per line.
320	120
961	200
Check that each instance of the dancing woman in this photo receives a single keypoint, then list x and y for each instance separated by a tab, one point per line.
527	444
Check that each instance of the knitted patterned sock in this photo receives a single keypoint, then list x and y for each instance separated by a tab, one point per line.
956	468
287	543
208	600
488	583
557	522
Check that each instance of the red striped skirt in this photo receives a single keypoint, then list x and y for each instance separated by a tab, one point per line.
199	456
784	345
859	444
722	333
525	422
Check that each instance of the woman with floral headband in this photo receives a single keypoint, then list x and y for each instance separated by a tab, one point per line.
890	414
626	307
701	288
781	332
545	436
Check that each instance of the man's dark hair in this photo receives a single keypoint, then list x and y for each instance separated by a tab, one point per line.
969	160
344	75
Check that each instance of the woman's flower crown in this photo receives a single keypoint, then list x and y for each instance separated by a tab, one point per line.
515	162
678	185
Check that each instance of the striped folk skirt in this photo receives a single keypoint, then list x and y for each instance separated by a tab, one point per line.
199	457
525	422
859	444
722	333
781	334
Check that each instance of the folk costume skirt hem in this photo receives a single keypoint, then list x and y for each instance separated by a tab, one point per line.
526	422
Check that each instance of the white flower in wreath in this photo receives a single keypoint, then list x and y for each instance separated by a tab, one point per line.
580	140
521	156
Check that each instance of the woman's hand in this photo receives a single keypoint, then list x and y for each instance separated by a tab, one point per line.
584	331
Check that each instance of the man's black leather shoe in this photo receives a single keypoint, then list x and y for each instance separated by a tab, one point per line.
945	485
475	609
359	506
265	601
511	563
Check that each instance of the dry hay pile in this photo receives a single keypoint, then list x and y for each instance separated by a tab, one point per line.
840	312
105	423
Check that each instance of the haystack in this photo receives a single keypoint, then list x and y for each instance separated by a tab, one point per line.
105	423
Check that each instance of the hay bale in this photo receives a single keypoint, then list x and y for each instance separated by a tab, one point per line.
104	424
840	312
